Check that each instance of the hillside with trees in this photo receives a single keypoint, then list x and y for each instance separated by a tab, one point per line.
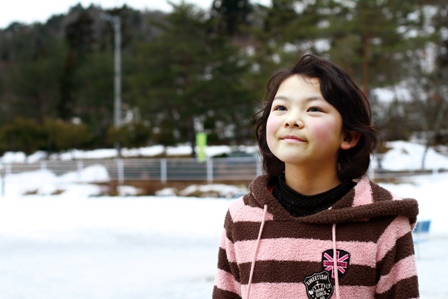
193	70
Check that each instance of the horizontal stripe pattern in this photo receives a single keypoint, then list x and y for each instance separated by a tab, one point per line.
402	249
293	271
243	213
363	193
365	231
397	229
382	261
298	291
225	282
364	253
402	270
220	293
406	288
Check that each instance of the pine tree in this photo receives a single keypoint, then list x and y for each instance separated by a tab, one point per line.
80	38
371	39
231	16
189	76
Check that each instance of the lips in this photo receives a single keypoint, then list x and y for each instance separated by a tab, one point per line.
292	138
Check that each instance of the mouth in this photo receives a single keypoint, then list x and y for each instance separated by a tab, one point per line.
292	138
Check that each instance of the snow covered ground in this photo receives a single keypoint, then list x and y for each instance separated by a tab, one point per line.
101	248
151	247
160	247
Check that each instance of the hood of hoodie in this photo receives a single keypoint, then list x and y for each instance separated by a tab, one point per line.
365	201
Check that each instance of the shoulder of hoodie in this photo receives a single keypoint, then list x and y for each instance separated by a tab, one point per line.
367	192
365	201
244	209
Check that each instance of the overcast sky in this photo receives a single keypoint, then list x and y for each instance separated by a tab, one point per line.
29	11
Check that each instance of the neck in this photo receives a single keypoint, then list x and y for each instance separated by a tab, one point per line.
312	181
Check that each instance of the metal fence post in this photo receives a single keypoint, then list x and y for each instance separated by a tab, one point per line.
163	171
8	169
3	178
209	170
259	166
7	172
120	170
435	171
79	167
371	172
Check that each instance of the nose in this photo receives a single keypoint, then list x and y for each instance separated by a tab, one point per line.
293	121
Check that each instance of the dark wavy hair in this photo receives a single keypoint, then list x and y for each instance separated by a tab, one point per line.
340	91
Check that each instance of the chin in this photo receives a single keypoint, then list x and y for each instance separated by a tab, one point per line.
291	159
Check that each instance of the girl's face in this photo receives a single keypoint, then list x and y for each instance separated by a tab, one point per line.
303	129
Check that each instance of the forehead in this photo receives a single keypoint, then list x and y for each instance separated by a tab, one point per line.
298	86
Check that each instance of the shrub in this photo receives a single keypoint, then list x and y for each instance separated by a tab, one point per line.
130	135
23	135
63	136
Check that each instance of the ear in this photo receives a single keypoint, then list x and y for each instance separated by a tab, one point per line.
351	138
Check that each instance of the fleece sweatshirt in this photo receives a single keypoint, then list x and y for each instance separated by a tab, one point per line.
361	247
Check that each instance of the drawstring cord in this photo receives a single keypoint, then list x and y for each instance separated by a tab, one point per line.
335	261
257	246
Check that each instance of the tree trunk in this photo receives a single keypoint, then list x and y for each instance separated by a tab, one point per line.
192	136
365	64
437	125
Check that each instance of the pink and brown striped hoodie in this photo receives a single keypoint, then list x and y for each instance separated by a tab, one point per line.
265	253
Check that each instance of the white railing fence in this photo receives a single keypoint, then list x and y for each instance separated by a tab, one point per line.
163	170
171	169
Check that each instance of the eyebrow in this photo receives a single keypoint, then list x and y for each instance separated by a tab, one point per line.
309	99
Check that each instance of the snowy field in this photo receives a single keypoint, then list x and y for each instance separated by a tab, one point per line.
152	247
101	248
157	247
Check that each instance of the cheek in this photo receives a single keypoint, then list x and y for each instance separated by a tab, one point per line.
327	130
271	129
272	126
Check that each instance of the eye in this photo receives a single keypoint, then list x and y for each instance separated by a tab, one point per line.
279	108
314	109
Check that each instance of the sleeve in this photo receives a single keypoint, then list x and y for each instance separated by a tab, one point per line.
227	283
396	265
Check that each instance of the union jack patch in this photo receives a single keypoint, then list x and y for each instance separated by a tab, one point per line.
342	261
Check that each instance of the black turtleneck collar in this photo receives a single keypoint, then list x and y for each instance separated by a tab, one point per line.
304	205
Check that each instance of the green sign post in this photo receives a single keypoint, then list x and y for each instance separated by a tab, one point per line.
201	143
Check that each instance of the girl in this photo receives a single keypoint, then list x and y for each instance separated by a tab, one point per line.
314	226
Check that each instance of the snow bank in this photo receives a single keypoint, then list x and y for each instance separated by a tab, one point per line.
408	156
213	190
430	192
45	182
401	156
